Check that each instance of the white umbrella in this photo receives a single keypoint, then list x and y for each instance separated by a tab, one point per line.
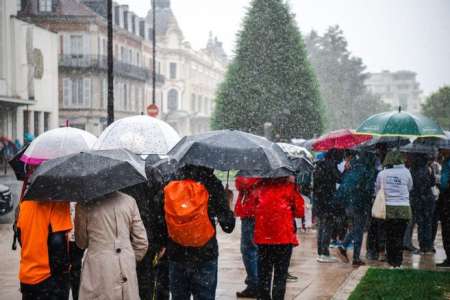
56	143
140	135
297	151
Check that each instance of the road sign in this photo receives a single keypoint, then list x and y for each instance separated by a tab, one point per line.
153	110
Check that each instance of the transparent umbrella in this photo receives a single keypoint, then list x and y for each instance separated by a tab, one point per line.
56	143
140	135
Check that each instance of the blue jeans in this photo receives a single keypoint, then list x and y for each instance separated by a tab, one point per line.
196	279
424	218
249	252
326	223
356	234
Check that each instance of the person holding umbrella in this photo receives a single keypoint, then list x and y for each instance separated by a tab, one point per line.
444	206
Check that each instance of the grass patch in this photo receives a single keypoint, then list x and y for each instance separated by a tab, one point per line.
402	284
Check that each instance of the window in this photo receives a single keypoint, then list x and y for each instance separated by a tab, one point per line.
37	115
193	104
172	100
19	5
76	92
123	54
104	102
26	122
125	96
45	5
199	103
403	101
173	71
76	46
46	121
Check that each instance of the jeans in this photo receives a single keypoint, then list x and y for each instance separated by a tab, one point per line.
324	234
196	279
51	288
249	252
376	238
356	234
273	259
340	225
148	276
424	218
407	239
395	231
76	255
444	208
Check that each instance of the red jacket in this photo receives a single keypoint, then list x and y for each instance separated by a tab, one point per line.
247	198
279	202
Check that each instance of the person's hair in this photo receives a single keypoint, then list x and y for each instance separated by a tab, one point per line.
393	158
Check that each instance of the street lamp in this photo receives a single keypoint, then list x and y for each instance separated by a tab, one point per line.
154	52
110	108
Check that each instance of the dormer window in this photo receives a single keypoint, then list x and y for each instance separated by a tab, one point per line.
45	5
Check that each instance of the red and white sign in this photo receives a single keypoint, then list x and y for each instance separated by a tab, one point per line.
153	110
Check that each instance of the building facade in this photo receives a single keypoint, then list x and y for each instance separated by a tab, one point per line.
28	73
192	76
397	89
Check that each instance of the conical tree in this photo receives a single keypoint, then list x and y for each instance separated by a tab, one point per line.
270	78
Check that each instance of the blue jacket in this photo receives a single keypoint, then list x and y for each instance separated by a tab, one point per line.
445	175
358	184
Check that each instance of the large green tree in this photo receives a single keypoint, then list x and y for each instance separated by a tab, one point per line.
270	78
341	78
437	107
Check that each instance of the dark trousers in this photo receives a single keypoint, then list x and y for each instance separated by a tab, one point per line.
151	277
273	259
249	252
356	234
50	289
376	238
76	256
395	231
444	208
424	218
324	234
196	279
340	226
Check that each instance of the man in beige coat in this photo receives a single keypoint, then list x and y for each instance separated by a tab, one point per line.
111	230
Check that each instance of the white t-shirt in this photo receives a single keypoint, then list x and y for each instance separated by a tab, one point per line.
397	183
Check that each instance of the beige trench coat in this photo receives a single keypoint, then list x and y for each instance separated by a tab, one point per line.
112	232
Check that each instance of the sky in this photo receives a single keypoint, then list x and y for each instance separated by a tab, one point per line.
387	34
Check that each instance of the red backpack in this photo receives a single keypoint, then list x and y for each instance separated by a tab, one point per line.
186	213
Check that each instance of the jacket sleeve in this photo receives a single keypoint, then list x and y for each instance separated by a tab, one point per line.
138	234
378	182
81	234
223	212
410	181
299	204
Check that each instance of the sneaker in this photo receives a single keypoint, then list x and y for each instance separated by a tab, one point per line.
444	264
334	244
412	249
427	252
382	257
326	259
247	293
371	256
291	278
343	255
358	263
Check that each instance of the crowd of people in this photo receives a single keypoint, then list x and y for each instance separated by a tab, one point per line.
157	240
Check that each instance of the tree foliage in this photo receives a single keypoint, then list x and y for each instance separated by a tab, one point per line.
341	77
437	107
270	78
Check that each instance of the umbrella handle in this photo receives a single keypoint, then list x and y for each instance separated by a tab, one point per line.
228	178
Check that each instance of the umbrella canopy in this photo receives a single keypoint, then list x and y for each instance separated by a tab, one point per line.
295	151
230	150
339	139
86	176
419	148
389	141
17	165
400	123
140	135
56	143
439	143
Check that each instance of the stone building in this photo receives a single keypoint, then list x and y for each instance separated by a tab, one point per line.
82	30
192	76
397	89
28	73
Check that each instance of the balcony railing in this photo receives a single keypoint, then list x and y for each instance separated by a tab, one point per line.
100	62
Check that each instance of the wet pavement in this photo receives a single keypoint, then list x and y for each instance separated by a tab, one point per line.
316	281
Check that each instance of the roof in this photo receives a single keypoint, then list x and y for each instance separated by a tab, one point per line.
164	19
73	8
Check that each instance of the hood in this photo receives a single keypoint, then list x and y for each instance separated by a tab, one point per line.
245	184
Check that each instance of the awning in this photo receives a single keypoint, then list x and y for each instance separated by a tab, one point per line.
14	102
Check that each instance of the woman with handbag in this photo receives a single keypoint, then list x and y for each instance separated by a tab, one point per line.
393	186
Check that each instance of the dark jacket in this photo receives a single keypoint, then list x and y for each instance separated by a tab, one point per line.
423	181
217	208
326	176
358	184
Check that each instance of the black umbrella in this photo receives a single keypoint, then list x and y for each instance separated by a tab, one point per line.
166	166
302	164
17	165
86	176
420	148
281	172
389	141
230	150
439	143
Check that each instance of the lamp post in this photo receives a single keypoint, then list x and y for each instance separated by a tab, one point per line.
154	52
110	109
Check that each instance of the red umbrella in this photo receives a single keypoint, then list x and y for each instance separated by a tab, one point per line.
340	139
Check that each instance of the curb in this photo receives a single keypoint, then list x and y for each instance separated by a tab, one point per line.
347	287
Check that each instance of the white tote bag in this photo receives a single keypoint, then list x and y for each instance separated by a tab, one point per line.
379	205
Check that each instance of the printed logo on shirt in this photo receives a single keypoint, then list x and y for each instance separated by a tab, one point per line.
394	180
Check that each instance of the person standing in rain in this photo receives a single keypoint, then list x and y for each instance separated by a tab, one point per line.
397	183
326	176
422	201
444	206
279	203
245	209
356	190
192	201
111	230
44	258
